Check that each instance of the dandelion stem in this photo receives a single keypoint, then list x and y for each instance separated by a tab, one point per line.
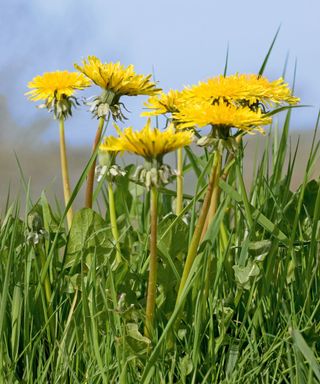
193	247
113	221
217	190
179	204
90	179
65	172
215	195
152	281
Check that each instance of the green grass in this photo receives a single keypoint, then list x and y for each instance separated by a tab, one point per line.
259	321
248	313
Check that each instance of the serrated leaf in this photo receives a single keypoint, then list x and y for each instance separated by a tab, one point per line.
89	236
243	274
138	343
176	239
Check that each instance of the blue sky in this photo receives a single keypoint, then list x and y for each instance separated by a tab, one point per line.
182	41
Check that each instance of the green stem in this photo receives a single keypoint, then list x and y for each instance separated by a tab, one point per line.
179	203
152	281
113	221
65	172
193	247
90	179
215	194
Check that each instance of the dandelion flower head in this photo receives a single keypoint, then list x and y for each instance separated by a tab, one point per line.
117	78
150	143
221	114
243	87
164	103
56	85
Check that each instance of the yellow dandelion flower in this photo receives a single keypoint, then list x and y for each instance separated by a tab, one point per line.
221	114
56	85
164	103
151	143
117	78
240	87
110	144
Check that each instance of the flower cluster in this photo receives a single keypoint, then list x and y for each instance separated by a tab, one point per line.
238	101
57	88
224	102
243	88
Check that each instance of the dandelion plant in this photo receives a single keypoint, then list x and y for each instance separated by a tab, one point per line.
115	80
152	144
57	90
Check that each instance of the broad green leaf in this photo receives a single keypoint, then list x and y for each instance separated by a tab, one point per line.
176	239
51	223
172	245
89	236
122	195
245	274
138	343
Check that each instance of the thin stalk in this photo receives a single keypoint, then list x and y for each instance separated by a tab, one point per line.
179	203
217	189
113	221
65	172
215	195
90	179
193	247
152	281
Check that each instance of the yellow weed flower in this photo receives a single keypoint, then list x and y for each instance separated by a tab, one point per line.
110	144
243	87
222	115
56	85
117	78
151	143
164	103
